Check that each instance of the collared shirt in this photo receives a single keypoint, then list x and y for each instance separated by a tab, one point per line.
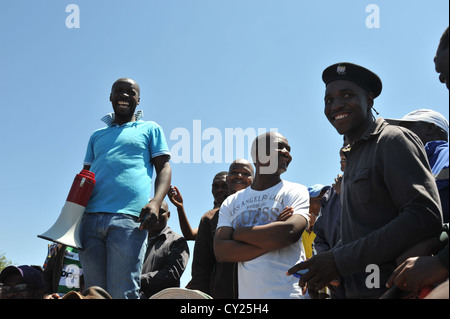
389	203
165	261
121	156
109	118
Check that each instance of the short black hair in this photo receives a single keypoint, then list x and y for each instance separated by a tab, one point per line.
131	81
221	174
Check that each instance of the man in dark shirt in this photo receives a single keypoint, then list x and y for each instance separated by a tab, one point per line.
389	197
166	256
208	275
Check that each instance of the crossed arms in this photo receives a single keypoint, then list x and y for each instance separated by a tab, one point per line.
246	243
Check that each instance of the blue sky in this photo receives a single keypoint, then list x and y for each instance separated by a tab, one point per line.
250	64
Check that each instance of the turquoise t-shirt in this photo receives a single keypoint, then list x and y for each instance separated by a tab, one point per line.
121	158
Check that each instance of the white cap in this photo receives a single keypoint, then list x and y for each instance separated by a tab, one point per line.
425	115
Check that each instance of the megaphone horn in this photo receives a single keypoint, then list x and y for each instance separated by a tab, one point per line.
66	228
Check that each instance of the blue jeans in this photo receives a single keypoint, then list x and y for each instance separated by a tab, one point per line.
113	253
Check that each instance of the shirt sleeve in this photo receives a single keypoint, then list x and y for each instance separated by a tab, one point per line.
320	243
89	157
224	215
298	198
158	143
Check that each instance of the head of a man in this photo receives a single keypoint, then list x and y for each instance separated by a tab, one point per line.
349	97
22	282
271	153
316	193
441	62
159	224
240	175
124	97
219	188
427	124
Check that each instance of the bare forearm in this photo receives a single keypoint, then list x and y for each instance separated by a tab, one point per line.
272	236
186	229
228	250
235	251
162	182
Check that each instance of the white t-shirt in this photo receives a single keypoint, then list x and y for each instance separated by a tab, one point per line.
265	277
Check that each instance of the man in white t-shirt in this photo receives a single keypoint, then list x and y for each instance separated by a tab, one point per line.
248	231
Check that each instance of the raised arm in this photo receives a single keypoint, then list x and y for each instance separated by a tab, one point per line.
177	200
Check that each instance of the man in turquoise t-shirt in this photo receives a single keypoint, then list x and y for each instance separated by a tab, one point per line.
122	156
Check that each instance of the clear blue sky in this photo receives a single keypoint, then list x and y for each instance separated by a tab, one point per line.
250	64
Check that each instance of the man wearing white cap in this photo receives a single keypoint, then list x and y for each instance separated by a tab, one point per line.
436	128
432	128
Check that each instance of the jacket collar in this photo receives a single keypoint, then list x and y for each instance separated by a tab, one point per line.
374	129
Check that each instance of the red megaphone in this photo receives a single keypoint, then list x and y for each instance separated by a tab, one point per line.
66	228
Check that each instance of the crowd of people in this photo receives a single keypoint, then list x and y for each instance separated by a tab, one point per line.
265	237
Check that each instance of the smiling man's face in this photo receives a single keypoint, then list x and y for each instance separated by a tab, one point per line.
240	175
347	107
124	99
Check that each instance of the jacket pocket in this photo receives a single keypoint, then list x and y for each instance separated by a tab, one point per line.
361	188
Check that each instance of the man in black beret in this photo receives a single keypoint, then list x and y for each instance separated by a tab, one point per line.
389	198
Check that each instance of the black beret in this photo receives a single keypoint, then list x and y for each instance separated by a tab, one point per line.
354	73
